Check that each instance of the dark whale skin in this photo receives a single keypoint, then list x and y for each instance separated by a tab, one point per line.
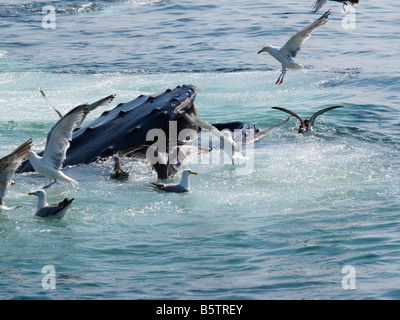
126	126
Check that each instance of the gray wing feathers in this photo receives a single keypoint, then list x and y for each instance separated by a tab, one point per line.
60	134
54	209
296	42
318	5
9	164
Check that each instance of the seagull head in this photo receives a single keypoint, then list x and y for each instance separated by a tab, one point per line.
266	48
187	172
303	129
37	193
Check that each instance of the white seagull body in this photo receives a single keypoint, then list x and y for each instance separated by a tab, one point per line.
57	144
289	50
320	3
182	186
54	211
8	165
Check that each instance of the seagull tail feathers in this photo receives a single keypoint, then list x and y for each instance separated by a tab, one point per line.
67	179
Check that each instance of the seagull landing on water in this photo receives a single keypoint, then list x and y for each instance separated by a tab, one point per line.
307	125
319	3
289	50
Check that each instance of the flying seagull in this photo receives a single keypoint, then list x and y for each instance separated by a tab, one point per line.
289	50
55	211
307	125
58	138
8	165
182	186
319	3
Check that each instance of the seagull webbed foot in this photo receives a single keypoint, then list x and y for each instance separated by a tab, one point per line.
50	184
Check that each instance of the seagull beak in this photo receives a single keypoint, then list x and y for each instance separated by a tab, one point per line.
192	172
260	51
31	194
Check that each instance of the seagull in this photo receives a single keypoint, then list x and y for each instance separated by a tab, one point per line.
8	165
289	50
319	3
55	211
58	138
118	173
307	125
182	186
103	102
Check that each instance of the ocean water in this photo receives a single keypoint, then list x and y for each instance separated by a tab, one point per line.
316	218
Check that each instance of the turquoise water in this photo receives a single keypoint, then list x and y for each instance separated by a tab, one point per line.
312	205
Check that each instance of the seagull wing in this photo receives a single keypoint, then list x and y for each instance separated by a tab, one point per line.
51	211
296	42
315	115
103	102
60	135
48	101
303	125
168	187
260	134
9	164
318	5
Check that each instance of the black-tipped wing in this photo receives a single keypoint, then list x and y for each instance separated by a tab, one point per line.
315	115
303	125
103	102
53	210
318	5
296	42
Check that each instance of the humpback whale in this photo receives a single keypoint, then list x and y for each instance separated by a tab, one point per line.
126	127
307	125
